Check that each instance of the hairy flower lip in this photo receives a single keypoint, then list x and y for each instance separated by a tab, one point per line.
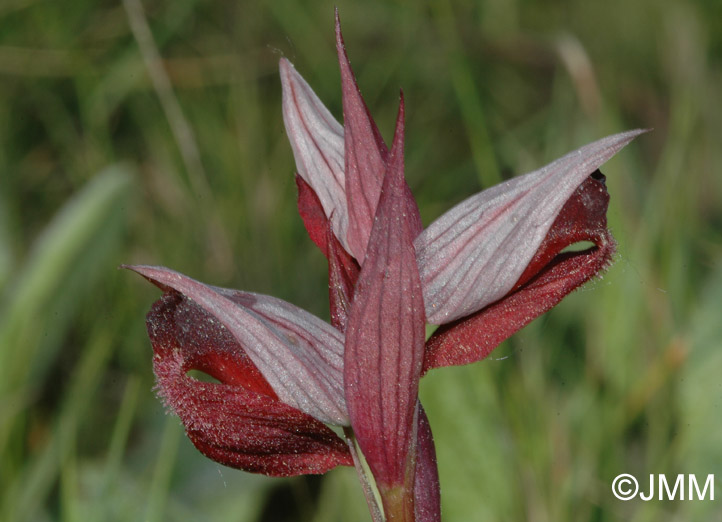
604	247
239	421
439	350
582	219
299	355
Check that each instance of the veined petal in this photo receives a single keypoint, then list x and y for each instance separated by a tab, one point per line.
475	253
317	140
239	421
299	355
365	156
385	337
551	275
344	166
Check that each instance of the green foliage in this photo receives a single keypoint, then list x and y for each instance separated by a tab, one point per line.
96	170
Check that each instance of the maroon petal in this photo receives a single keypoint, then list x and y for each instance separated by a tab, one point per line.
342	268
474	254
239	421
299	355
365	160
427	494
365	156
550	276
385	337
343	273
312	213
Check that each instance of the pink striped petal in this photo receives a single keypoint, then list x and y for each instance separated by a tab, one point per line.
474	254
385	337
299	355
550	276
344	166
317	142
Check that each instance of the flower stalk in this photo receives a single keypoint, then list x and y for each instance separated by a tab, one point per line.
371	492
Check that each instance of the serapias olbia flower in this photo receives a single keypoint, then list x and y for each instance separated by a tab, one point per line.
482	271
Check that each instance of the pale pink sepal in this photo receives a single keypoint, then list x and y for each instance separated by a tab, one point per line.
317	140
474	254
299	355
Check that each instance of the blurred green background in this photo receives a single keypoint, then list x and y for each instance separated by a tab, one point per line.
120	148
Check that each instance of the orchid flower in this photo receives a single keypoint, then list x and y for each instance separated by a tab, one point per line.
482	271
285	374
489	265
280	373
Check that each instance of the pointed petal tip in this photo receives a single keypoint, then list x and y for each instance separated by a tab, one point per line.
286	70
290	79
397	146
402	104
400	124
618	141
394	175
461	274
337	20
631	134
154	273
340	45
150	272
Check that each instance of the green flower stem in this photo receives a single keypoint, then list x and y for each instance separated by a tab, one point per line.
373	498
398	503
